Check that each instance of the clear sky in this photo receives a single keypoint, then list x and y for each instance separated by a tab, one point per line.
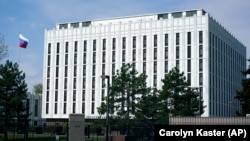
32	17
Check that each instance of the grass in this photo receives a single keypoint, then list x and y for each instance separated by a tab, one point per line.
45	137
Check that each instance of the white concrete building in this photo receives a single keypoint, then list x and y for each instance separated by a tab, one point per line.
35	109
76	54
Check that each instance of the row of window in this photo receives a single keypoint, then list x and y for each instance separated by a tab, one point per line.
113	65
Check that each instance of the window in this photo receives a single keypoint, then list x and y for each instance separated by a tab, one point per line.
189	52
84	83
48	60
200	79
113	69
84	45
47	108
104	44
36	108
48	83
66	71
47	96
86	24
166	66
84	58
189	66
75	71
74	83
189	78
123	56
103	68
57	59
155	53
200	51
75	46
113	56
55	108
57	71
144	67
74	108
103	57
144	41
49	48
93	95
134	55
155	80
63	26
84	70
92	108
56	96
65	96
66	47
144	54
64	108
190	13
177	14
83	95
134	42
155	67
177	64
93	70
93	82
163	16
56	85
94	57
74	25
57	48
177	53
155	40
166	53
166	39
123	42
113	43
66	59
200	37
200	64
48	72
94	45
189	38
177	39
74	95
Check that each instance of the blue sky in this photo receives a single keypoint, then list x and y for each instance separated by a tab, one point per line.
32	17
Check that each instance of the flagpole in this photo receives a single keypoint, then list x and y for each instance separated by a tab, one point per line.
19	53
19	56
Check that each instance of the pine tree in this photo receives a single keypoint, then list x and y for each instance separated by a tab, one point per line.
13	90
244	94
177	98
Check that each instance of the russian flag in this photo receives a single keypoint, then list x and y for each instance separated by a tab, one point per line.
23	42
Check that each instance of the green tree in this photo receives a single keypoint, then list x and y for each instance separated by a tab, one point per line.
127	87
38	88
243	95
177	98
147	108
13	90
3	48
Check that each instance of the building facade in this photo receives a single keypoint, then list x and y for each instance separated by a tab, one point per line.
35	109
76	55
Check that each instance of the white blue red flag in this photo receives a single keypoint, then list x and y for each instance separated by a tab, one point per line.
23	42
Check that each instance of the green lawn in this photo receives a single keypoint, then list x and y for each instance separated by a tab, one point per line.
44	137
